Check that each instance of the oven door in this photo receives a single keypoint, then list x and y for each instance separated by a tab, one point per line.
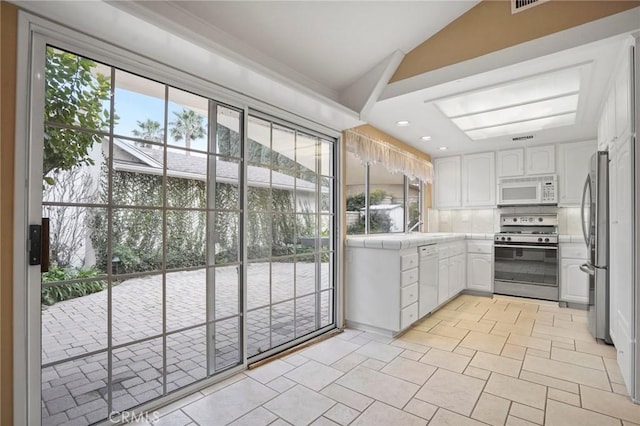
526	264
510	194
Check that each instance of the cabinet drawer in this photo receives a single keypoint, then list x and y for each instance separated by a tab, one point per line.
408	315
409	295
573	251
479	247
409	277
409	261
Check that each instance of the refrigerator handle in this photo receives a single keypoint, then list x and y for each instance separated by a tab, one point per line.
587	269
584	196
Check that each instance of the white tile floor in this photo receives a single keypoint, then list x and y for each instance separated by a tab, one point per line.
499	361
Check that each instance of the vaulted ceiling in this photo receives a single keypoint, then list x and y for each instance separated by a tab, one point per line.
393	60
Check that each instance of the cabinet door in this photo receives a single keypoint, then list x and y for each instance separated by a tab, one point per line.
510	163
443	280
602	133
456	274
479	272
621	253
610	117
622	101
447	182
574	284
573	167
479	180
541	160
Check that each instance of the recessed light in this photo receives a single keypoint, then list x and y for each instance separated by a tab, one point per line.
402	123
425	138
443	148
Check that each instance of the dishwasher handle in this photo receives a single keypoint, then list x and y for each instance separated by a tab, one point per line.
428	250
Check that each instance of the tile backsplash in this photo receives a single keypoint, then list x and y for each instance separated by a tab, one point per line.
488	220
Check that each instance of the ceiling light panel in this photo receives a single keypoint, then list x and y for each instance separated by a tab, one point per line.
523	126
542	86
534	110
535	103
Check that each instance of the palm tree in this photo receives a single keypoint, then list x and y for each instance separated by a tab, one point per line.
149	130
188	125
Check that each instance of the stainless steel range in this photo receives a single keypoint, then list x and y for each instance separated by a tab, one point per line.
526	256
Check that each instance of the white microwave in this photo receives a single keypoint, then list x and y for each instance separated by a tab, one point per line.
529	190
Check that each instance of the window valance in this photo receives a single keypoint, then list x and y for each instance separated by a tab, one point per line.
374	151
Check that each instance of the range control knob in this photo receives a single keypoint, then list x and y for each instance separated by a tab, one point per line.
508	238
540	240
515	219
502	238
546	240
540	219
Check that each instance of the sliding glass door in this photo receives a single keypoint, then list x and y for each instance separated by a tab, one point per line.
152	259
290	277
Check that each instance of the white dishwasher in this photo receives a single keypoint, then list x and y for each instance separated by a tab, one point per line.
428	270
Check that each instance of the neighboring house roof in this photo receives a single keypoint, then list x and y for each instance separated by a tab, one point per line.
130	157
384	206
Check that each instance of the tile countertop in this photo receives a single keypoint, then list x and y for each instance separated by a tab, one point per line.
401	240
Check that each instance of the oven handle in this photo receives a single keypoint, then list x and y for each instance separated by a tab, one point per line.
527	247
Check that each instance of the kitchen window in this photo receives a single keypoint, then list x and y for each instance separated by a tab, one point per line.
379	201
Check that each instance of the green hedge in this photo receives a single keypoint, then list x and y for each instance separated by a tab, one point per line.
51	295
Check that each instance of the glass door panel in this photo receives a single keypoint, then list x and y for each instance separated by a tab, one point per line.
290	235
143	293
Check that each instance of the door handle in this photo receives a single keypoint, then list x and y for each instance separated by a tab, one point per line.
587	269
39	245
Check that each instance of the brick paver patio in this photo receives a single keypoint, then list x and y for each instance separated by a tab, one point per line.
75	392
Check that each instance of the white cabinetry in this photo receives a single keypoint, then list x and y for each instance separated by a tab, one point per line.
467	181
540	160
478	180
480	266
621	252
443	280
510	162
447	182
574	284
451	270
573	167
382	288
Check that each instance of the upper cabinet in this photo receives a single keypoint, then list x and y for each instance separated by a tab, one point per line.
510	163
614	124
465	181
540	160
447	182
479	180
573	166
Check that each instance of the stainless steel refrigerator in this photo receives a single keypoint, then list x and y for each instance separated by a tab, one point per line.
595	227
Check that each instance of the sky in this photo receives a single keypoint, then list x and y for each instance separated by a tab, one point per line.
132	107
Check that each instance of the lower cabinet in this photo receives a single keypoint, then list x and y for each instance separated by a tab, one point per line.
574	284
451	270
443	280
382	289
480	266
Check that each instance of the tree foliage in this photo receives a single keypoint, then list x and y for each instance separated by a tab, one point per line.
149	130
75	93
188	125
